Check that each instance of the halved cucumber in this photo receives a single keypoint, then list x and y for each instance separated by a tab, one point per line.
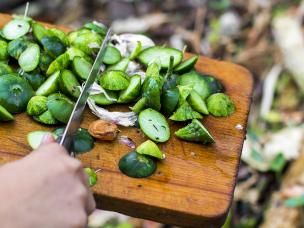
185	112
197	103
34	138
161	54
60	106
195	132
132	92
49	86
154	125
122	65
150	148
114	80
29	59
137	165
187	65
81	67
46	118
15	29
5	115
101	99
37	105
112	55
68	84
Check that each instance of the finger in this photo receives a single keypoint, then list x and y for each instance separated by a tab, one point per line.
90	204
47	139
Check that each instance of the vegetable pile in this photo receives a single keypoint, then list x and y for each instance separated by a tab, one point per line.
42	70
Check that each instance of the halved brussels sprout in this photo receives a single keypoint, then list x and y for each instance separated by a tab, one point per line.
37	105
114	80
60	107
220	105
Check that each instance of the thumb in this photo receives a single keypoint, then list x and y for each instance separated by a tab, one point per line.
47	138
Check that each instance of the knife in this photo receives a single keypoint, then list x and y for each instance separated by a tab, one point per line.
76	117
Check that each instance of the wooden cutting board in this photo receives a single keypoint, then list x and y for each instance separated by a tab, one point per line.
192	187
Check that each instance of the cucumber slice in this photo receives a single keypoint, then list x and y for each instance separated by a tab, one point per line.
137	165
101	99
161	54
150	148
187	65
132	92
60	63
195	132
15	29
154	125
140	105
60	106
92	176
122	65
49	86
5	115
114	80
37	105
34	138
112	55
29	59
185	112
68	84
197	103
46	118
82	141
81	67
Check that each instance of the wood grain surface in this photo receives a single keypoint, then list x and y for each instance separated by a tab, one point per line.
192	187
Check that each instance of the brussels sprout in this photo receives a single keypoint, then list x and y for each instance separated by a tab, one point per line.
53	46
50	85
169	101
81	67
45	61
39	31
60	34
187	65
132	92
75	52
185	112
111	56
195	132
102	99
37	105
197	103
15	93
137	165
60	107
29	59
5	69
68	84
15	29
92	176
3	50
139	105
16	47
122	65
220	105
60	63
86	40
114	80
46	118
34	78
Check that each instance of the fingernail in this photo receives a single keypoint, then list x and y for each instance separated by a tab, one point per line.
47	138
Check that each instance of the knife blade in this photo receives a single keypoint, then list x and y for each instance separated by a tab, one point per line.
76	117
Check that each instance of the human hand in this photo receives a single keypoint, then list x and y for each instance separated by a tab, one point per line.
47	188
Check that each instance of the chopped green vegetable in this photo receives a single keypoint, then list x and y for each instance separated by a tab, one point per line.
195	132
136	51
102	99
154	125
34	138
132	92
140	105
96	27
150	148
3	50
60	106
39	31
185	112
295	202
15	29
92	176
197	103
111	56
46	118
81	67
49	86
220	105
17	46
5	115
37	105
5	69
45	61
137	165
122	65
34	78
15	93
170	100
60	63
29	59
68	84
114	80
187	65
161	54
53	46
